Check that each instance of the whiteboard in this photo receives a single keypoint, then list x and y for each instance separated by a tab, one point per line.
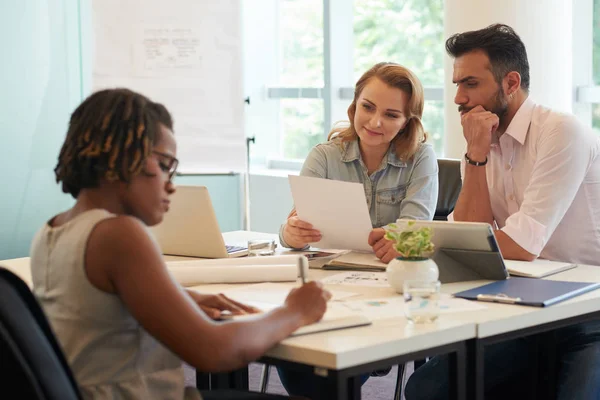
186	54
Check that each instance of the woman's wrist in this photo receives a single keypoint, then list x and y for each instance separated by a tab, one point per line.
295	315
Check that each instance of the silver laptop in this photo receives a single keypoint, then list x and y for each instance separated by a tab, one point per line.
190	227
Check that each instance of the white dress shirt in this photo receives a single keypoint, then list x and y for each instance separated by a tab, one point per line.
543	176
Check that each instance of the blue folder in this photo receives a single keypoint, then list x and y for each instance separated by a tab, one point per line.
528	292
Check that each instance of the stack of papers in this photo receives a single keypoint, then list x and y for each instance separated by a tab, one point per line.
358	278
356	261
393	307
536	269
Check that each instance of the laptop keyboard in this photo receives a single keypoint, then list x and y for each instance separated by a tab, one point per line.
233	249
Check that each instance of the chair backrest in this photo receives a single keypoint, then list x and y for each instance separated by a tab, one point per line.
33	365
449	187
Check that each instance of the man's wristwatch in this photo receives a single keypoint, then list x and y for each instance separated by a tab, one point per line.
475	163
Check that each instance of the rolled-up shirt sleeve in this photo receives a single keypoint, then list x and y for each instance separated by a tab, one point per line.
422	191
563	157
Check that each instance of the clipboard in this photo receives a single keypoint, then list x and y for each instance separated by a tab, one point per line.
528	292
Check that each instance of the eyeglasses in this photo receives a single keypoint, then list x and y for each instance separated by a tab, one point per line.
169	167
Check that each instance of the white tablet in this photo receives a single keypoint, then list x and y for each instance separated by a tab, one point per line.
465	251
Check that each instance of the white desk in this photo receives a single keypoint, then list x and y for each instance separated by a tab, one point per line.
503	322
343	355
497	323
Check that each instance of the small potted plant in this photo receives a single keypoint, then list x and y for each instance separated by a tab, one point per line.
415	247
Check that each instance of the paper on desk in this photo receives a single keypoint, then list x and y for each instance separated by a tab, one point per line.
337	209
358	261
263	295
538	268
358	278
393	307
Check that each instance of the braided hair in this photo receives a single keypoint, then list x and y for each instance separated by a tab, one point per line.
110	136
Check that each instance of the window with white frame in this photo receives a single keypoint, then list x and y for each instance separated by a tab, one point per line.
410	33
596	65
301	66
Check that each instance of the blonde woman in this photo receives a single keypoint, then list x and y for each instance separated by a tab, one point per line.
384	149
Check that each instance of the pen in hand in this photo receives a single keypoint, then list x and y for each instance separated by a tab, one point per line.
302	266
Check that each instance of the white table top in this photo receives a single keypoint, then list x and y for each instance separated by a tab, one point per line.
396	336
355	346
502	318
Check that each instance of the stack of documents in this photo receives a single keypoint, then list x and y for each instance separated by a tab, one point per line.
356	261
236	270
536	269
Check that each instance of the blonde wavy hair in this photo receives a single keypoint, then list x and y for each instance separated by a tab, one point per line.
396	76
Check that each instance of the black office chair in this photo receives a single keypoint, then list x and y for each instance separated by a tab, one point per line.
450	185
32	363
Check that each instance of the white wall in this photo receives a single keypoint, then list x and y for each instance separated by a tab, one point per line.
270	200
546	28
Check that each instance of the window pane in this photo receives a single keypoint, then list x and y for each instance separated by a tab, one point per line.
302	126
407	32
301	42
596	107
433	122
597	44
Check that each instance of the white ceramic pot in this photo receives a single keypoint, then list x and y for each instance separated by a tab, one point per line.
409	269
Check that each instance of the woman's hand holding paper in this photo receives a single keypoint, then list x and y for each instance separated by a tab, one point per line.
298	233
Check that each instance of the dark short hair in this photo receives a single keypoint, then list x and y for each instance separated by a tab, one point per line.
110	135
503	46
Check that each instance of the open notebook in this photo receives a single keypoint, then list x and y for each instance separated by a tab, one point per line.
267	296
333	323
328	323
536	269
356	261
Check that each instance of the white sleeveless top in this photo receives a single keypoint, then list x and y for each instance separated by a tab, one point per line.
111	355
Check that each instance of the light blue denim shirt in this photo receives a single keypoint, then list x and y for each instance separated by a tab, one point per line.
396	190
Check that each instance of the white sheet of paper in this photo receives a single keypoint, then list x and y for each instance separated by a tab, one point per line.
393	307
337	209
358	278
166	51
262	294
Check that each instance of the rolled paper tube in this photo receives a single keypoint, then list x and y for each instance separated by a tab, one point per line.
196	275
